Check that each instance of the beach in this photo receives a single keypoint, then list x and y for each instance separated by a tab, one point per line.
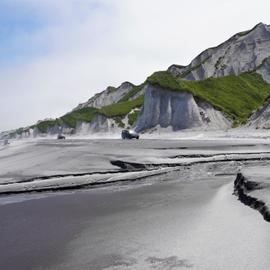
183	218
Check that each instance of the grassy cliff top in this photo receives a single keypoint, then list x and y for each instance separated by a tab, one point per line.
84	114
43	125
119	109
136	89
236	96
70	119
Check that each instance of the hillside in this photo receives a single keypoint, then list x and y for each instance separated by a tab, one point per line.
236	96
243	52
224	86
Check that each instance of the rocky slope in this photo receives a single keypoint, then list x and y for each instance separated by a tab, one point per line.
172	100
109	96
245	51
261	118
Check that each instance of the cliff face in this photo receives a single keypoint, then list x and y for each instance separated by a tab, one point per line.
246	51
178	110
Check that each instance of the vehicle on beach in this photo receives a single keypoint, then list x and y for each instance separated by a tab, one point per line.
129	134
61	137
6	142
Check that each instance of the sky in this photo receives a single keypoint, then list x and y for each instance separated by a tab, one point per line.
55	54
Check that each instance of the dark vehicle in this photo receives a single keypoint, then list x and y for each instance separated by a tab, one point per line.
128	134
61	137
6	142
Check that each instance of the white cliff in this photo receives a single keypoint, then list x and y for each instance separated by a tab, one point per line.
178	110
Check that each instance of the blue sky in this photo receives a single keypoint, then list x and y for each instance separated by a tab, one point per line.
21	21
55	54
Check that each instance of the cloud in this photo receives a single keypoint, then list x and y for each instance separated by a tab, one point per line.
70	50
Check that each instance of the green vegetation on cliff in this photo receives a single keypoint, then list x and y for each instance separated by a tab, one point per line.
121	108
136	89
70	119
116	111
44	125
133	116
84	114
236	96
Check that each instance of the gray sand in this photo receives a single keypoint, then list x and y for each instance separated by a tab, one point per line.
187	219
